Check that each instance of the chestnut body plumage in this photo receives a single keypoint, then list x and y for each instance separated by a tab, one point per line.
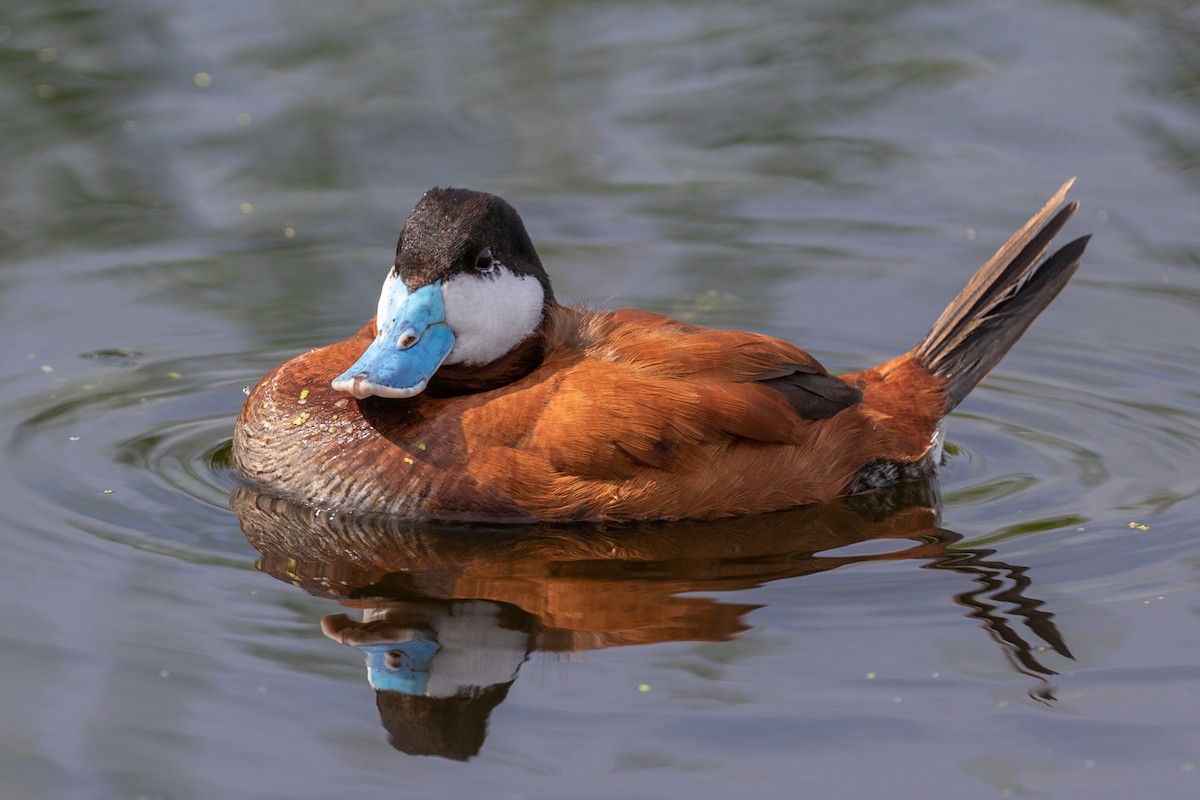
473	394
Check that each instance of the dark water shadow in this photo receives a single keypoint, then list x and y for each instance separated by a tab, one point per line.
450	612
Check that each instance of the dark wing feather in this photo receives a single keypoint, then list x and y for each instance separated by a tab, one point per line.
811	391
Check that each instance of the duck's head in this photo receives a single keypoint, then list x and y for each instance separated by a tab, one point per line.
466	299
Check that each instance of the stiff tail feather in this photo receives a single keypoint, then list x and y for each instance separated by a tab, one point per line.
1000	301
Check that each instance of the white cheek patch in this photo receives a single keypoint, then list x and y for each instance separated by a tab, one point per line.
490	314
392	297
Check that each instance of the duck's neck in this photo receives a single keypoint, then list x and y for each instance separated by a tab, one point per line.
457	379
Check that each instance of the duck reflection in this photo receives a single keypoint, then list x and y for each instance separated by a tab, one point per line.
437	668
450	612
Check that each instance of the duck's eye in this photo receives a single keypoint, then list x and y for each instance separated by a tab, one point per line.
484	263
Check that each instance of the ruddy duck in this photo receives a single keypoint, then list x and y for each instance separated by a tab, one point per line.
473	394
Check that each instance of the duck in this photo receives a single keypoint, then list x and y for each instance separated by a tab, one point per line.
474	395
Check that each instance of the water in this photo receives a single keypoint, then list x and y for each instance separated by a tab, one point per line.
192	192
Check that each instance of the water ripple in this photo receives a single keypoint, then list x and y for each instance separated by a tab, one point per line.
130	449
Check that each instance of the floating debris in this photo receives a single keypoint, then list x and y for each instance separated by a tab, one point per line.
115	356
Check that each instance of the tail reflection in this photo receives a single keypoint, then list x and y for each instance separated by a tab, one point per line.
1004	583
450	612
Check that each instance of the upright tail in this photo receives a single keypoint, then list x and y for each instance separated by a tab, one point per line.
1001	300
